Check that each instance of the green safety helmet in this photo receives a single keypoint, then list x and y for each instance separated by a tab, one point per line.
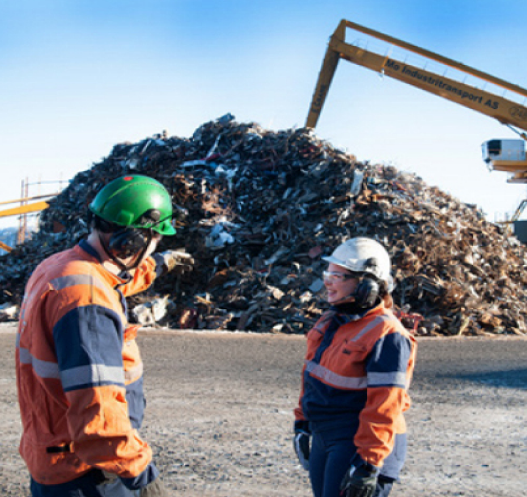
137	202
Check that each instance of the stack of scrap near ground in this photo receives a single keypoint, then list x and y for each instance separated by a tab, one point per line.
257	211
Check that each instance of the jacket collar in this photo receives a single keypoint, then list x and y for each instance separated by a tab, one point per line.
88	252
350	314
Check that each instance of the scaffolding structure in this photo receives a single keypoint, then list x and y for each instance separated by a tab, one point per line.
28	205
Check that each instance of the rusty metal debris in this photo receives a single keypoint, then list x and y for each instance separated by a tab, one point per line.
8	312
257	211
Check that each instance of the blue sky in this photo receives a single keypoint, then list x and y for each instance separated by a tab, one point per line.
79	76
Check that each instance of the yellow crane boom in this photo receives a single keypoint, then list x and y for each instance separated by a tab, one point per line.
499	154
25	199
506	111
7	248
24	209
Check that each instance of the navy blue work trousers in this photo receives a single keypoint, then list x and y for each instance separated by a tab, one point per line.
331	453
91	484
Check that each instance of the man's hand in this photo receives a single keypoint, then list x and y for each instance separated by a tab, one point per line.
154	489
172	259
301	445
359	481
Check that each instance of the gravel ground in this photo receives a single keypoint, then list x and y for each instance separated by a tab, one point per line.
219	416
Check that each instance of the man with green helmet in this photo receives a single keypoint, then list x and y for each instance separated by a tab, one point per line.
135	211
79	371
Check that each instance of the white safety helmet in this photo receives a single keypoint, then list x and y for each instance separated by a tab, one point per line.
364	255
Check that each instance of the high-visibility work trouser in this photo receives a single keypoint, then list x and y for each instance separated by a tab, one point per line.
92	484
331	453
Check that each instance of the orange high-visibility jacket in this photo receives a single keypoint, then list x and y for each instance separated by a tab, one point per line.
356	374
76	357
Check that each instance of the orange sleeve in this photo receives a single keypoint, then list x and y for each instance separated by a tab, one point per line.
143	277
101	431
379	422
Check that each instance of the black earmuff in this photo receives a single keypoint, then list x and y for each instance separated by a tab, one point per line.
366	293
127	242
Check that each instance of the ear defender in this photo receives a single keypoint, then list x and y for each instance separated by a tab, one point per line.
127	242
366	293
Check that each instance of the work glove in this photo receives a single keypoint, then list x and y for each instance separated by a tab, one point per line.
360	479
154	489
174	259
301	443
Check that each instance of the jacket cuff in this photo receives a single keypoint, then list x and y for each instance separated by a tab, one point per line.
143	479
359	463
302	425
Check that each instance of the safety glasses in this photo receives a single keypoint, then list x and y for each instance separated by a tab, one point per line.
335	277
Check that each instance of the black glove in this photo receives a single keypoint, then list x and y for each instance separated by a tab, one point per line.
360	480
154	489
301	443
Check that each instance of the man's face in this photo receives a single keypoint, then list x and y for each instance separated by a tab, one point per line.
154	242
133	259
340	284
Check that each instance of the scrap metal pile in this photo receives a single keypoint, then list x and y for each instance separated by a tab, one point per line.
257	211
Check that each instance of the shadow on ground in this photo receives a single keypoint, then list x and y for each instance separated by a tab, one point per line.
511	378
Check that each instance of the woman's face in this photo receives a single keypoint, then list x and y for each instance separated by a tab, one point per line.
340	284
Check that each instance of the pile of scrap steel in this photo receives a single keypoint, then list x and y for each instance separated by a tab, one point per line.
257	211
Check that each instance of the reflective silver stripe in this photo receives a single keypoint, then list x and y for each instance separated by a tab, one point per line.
335	379
82	375
395	378
134	373
88	375
76	279
63	282
378	320
44	369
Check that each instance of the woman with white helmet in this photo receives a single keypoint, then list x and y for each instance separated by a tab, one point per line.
350	431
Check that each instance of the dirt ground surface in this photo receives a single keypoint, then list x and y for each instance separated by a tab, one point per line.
219	416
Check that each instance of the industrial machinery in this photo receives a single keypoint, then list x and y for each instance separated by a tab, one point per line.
23	209
499	154
27	205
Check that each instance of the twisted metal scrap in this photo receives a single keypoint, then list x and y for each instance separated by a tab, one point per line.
280	201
